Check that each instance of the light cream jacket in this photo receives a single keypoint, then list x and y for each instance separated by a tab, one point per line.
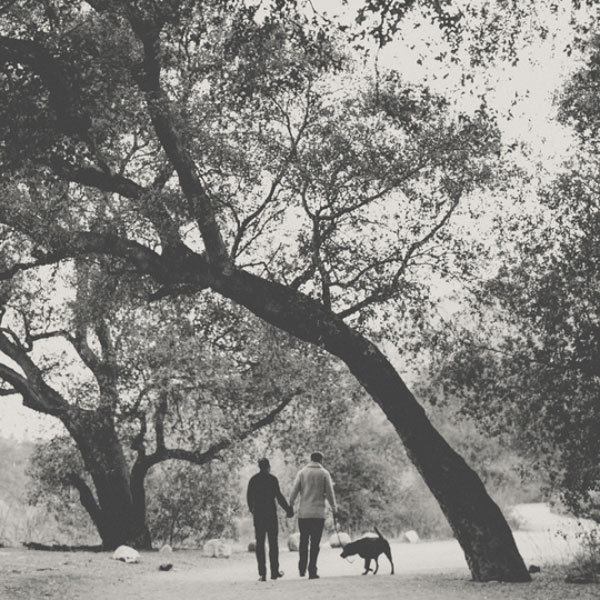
313	484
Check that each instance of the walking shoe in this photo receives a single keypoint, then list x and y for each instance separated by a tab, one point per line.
277	575
262	578
302	572
313	576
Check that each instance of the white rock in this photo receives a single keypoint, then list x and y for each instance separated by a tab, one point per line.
217	548
166	549
294	542
126	554
223	550
411	536
369	534
336	541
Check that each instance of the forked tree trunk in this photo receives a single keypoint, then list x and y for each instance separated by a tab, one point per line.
118	510
124	524
476	520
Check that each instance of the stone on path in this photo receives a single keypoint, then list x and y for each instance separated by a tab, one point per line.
294	542
217	548
410	536
339	541
126	554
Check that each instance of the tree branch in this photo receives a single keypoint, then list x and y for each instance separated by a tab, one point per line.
138	443
387	291
87	499
46	259
45	335
201	457
303	277
291	154
455	199
159	421
149	206
106	343
82	243
377	296
319	265
148	79
36	395
378	195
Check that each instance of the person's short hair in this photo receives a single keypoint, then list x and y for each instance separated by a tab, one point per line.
316	457
264	464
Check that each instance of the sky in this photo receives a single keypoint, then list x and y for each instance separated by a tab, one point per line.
526	89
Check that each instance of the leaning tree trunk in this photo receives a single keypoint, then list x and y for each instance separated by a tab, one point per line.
119	512
476	520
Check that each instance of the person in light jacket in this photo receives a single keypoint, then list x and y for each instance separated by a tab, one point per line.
313	485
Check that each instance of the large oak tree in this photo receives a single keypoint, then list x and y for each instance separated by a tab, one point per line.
212	146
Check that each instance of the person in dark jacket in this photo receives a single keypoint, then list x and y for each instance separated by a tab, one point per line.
263	490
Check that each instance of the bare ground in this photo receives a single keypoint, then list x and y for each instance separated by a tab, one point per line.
424	571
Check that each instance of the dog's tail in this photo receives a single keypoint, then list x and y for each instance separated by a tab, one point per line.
378	532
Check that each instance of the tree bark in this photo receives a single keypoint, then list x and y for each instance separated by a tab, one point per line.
119	514
476	520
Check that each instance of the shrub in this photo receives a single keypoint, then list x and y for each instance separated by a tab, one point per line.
586	564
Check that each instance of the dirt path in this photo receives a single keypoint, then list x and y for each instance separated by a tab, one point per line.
424	571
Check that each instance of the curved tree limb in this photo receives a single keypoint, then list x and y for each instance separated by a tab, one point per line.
149	206
81	243
201	457
87	499
45	260
31	394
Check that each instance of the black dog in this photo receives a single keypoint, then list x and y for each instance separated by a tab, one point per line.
369	548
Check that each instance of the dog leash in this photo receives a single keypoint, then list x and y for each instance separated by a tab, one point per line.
335	527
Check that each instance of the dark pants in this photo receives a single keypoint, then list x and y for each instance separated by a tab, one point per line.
310	531
267	527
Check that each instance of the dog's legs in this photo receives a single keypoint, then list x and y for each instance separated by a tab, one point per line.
376	565
367	567
388	553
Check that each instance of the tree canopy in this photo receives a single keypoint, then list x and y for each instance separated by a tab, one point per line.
528	369
212	146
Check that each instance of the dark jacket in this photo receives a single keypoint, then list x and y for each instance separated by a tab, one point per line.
263	490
